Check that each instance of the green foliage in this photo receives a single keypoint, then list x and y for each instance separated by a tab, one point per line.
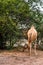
13	12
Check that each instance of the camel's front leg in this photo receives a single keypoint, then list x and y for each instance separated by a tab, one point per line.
30	49
35	49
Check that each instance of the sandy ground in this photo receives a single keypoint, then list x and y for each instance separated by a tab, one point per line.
20	58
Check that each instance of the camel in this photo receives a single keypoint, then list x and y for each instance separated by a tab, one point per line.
32	36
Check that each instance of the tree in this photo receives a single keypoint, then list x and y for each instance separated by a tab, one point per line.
12	13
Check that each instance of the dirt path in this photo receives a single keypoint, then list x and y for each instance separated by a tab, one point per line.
20	58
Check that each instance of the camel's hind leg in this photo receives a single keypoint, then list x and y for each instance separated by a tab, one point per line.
30	46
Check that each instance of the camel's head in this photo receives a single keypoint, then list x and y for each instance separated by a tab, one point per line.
32	26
